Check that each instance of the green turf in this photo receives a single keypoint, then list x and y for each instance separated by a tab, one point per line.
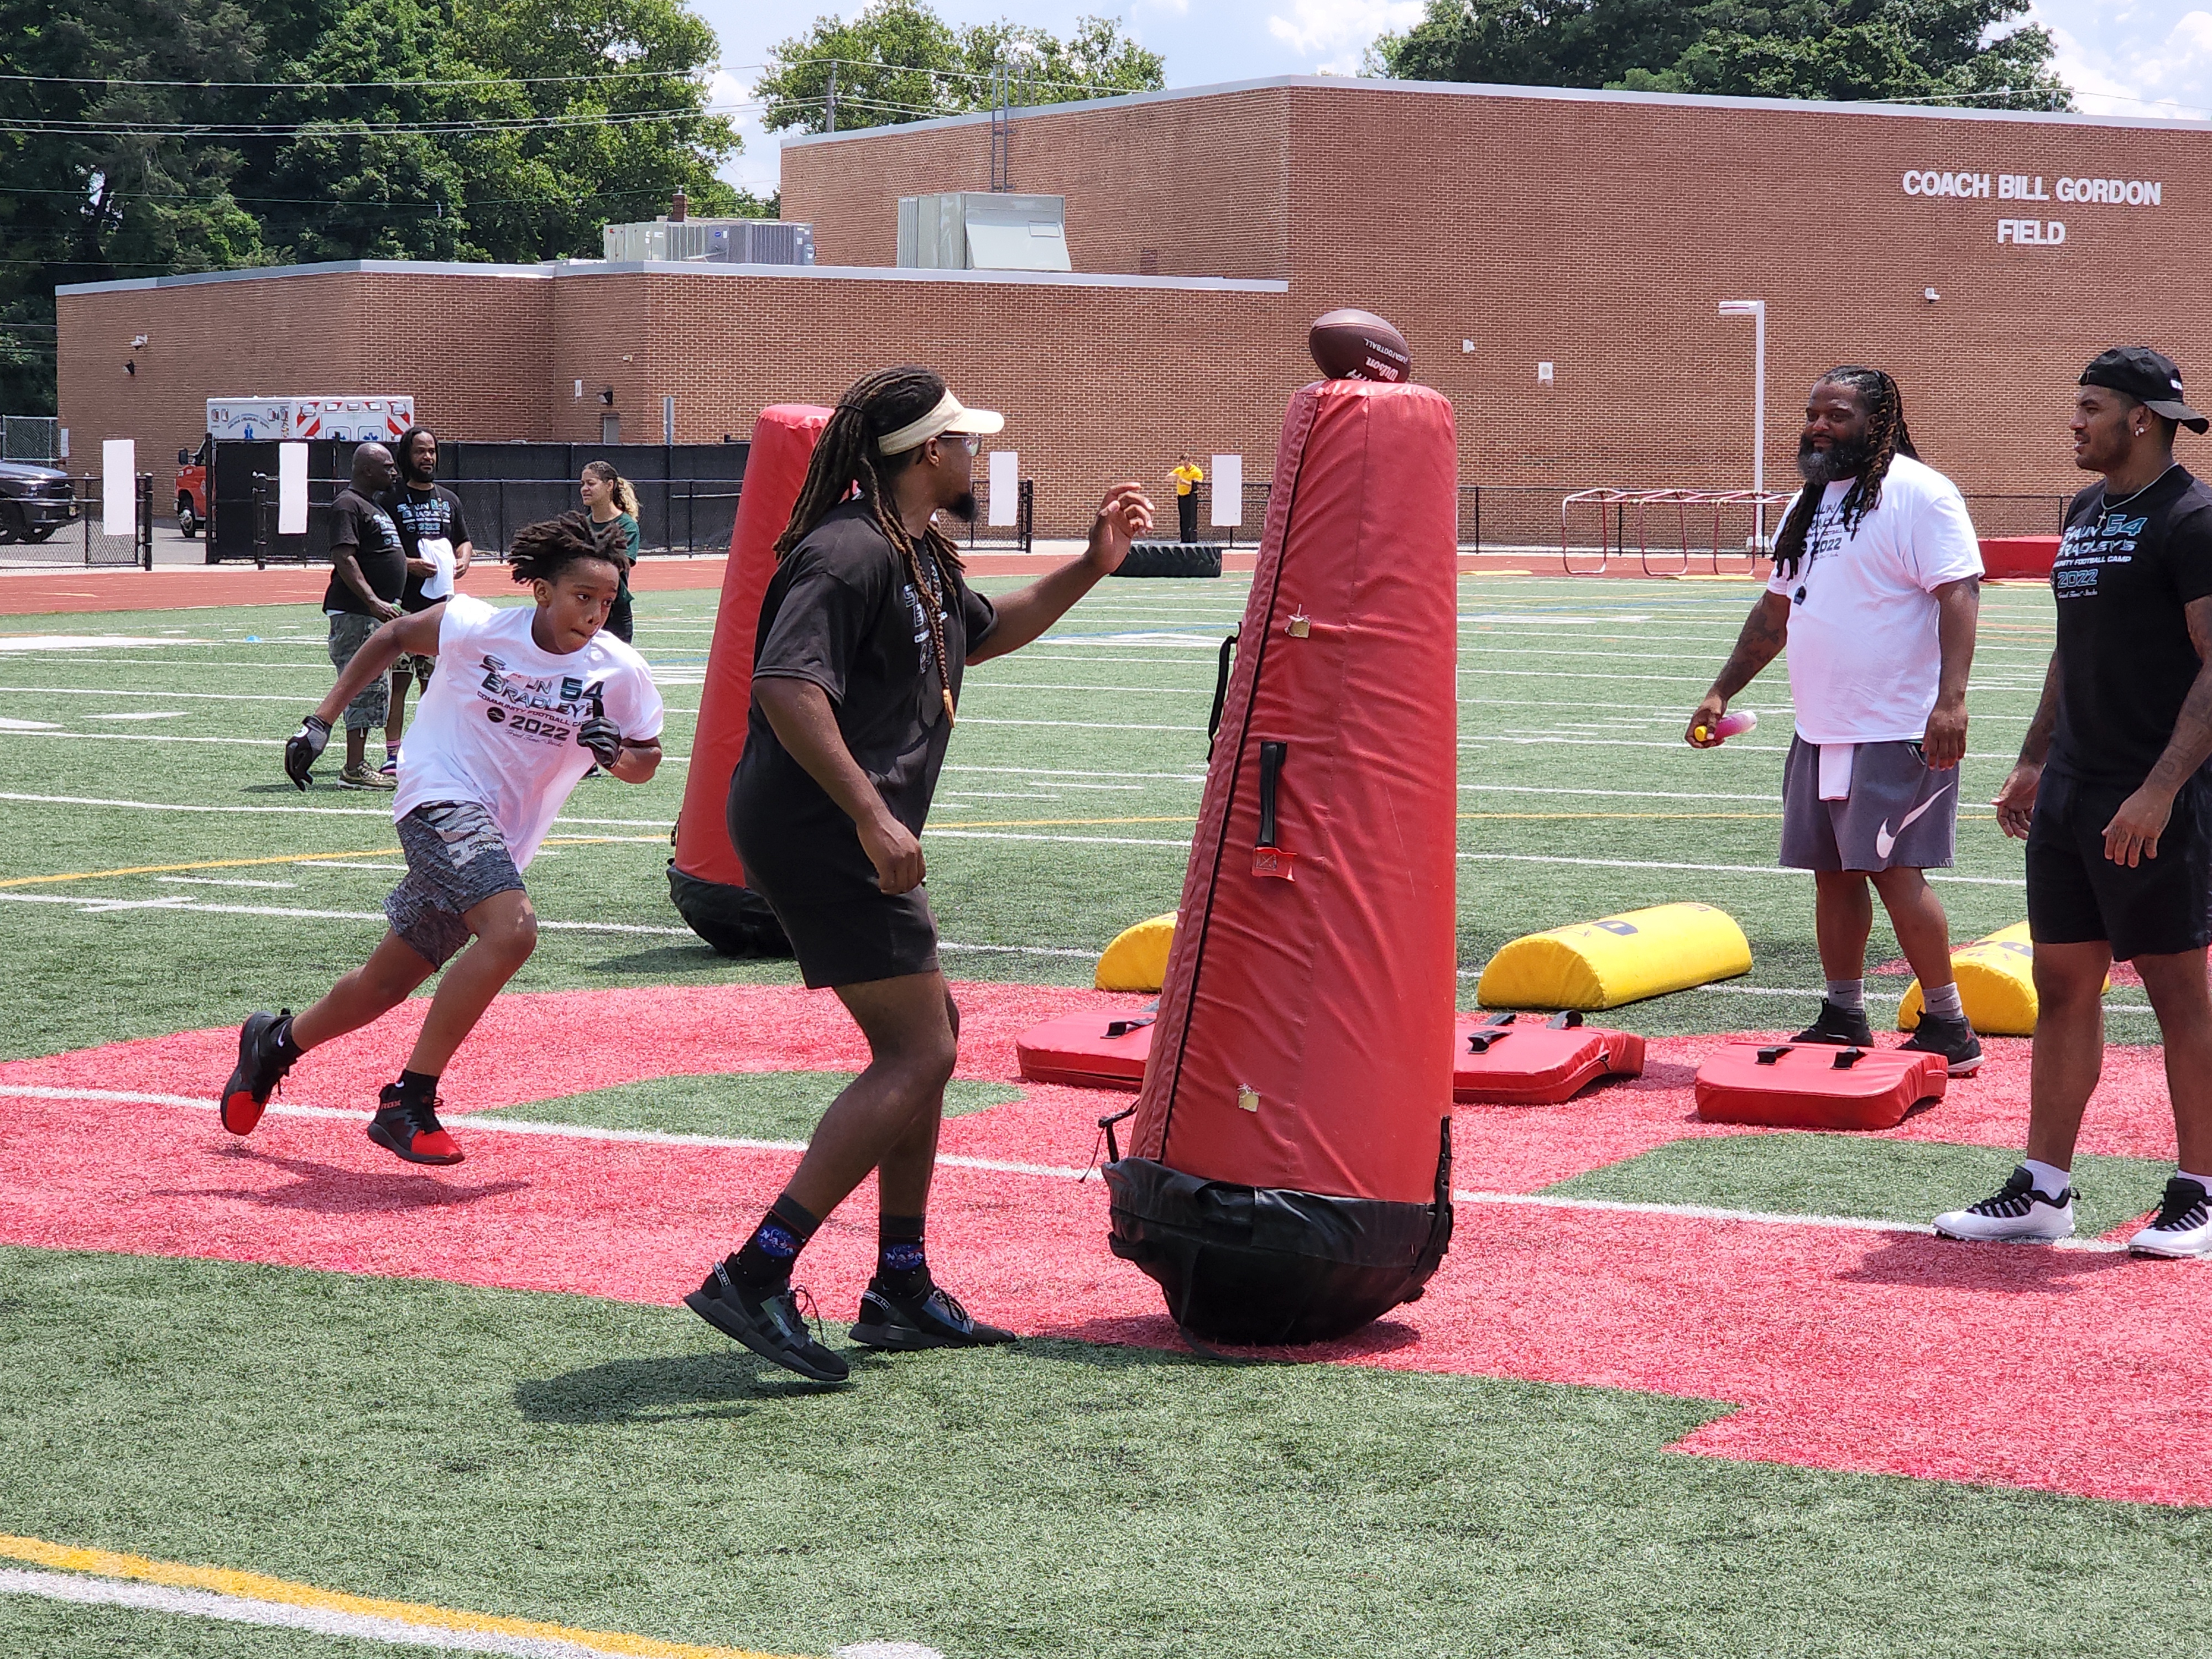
756	1105
620	1467
30	1626
1795	1172
1590	682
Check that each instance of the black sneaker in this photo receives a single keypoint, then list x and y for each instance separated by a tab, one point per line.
413	1132
261	1066
934	1319
769	1322
1953	1039
1847	1027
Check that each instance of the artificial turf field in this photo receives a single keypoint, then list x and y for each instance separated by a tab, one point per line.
1674	1391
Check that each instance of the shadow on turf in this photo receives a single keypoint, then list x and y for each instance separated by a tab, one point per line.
1922	1261
327	1189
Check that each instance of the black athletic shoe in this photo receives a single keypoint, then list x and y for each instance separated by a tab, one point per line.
261	1066
932	1321
1845	1026
1953	1039
771	1323
413	1132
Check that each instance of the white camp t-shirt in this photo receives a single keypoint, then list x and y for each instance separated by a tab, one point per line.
498	724
1864	656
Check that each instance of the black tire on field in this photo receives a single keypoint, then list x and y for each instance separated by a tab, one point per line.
1172	559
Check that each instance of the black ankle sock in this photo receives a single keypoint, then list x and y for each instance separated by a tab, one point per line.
417	1089
901	1264
766	1257
287	1049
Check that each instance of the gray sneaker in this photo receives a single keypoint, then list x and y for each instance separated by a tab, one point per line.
2016	1214
361	777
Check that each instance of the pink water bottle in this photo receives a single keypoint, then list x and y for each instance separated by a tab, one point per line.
1732	724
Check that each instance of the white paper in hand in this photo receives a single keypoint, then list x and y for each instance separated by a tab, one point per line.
438	584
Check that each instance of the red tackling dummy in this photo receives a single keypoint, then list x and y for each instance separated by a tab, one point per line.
705	878
1289	1176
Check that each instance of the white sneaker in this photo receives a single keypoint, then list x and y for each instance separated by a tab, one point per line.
2017	1214
2182	1225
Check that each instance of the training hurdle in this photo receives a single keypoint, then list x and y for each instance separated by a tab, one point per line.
1612	507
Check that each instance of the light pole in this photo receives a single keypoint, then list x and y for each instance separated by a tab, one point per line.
1756	310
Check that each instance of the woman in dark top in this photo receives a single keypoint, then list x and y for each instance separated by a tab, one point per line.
863	632
610	499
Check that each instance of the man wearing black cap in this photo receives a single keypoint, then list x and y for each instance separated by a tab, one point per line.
2114	799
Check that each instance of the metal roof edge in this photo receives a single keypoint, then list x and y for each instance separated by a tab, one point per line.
1563	94
323	268
556	269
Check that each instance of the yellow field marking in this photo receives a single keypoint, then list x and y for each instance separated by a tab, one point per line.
203	864
224	1581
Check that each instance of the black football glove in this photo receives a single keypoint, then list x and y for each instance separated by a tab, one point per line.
600	734
304	747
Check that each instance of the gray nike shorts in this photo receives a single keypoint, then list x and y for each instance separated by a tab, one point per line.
1901	813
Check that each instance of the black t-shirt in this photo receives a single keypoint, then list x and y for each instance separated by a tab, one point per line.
359	523
841	611
2125	663
421	514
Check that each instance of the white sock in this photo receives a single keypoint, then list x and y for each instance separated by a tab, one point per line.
2050	1180
1943	1000
1849	994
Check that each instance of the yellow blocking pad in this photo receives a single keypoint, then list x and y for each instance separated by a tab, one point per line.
1616	959
1137	960
1996	985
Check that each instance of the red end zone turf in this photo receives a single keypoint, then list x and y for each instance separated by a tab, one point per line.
1846	1347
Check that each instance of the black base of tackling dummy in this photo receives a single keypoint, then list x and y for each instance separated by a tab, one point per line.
1263	1266
735	921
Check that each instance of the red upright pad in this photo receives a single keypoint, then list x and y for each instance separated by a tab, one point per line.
1531	1063
1094	1049
783	444
1802	1086
1326	1000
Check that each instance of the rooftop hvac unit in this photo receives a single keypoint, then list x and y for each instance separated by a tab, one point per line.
721	241
979	230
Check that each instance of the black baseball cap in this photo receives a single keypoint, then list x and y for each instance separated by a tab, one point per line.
2151	378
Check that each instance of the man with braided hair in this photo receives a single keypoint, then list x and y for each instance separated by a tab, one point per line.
1876	591
867	627
528	697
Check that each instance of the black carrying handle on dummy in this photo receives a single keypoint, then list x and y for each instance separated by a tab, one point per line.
1271	756
1220	690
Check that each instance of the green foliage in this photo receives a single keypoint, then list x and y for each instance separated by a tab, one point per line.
511	164
899	60
1926	50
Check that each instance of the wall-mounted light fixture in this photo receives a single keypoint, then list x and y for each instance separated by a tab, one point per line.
130	365
1931	296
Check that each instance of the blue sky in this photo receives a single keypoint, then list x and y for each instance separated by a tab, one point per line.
2135	57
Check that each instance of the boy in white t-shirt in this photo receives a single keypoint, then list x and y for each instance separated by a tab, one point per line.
526	699
1876	591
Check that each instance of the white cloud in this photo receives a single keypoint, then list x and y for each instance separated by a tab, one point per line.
1338	32
2134	60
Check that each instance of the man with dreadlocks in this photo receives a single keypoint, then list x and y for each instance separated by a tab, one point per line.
529	696
863	632
1876	589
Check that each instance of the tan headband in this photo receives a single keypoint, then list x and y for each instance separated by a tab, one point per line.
914	433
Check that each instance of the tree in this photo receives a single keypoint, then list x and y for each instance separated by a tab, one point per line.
899	60
1927	51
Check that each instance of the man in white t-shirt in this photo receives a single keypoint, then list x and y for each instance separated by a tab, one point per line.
526	699
1876	589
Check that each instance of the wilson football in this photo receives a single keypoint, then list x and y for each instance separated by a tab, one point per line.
1358	345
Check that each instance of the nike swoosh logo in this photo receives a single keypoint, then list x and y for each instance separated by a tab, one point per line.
1883	841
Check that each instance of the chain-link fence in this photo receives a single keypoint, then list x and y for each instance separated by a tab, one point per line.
63	522
35	438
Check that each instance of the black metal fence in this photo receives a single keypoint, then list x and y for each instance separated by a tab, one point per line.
71	530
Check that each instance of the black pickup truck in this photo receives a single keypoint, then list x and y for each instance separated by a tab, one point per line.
35	502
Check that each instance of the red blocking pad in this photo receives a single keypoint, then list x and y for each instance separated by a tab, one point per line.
775	467
1095	1049
1513	1061
1816	1085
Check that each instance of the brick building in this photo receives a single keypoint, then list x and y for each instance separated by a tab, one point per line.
1982	257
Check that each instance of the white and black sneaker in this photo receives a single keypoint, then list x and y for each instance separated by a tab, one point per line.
1952	1038
2016	1214
1845	1027
2182	1225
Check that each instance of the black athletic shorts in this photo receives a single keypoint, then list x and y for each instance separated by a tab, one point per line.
843	928
2076	896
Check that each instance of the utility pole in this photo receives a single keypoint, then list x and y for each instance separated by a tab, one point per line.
832	126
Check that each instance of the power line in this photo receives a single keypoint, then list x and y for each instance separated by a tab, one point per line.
294	128
357	86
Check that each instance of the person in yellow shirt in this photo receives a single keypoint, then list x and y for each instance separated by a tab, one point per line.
1188	477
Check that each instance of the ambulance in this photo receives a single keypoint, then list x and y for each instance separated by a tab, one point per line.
351	419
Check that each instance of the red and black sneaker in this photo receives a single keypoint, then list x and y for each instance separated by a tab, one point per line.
261	1066
413	1132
